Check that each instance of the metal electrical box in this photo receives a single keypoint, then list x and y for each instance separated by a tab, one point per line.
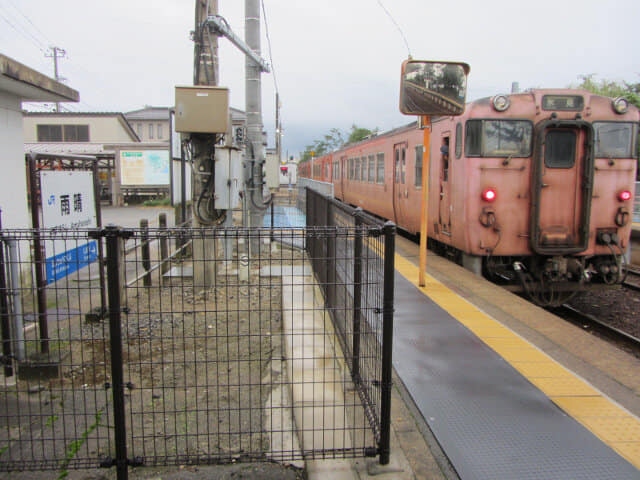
202	109
228	178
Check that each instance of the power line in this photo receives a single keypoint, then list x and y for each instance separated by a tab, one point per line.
26	35
266	29
397	26
29	20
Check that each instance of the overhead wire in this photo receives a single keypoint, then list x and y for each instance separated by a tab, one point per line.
27	35
266	30
32	24
397	26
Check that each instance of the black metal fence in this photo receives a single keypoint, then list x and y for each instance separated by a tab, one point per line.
220	354
357	279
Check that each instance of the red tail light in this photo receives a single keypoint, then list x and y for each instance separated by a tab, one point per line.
489	195
624	195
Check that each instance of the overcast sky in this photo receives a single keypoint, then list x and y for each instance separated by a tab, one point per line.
336	62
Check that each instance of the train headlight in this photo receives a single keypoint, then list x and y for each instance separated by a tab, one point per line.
620	105
501	102
489	195
624	195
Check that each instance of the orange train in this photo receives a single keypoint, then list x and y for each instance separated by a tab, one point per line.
534	189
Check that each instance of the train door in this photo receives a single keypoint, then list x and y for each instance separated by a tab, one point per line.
343	173
562	187
400	190
444	207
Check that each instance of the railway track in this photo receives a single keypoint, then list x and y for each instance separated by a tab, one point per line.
591	323
633	279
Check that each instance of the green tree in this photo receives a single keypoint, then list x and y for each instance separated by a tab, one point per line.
610	88
359	133
334	140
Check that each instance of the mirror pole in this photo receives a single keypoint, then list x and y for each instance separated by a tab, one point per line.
424	209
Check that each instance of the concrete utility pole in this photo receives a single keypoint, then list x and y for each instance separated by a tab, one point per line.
205	72
205	51
56	53
253	102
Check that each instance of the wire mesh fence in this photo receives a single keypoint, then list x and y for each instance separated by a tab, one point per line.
239	345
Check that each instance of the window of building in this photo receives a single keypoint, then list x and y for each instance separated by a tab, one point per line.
418	166
76	133
357	177
151	130
351	169
139	130
380	168
159	131
63	133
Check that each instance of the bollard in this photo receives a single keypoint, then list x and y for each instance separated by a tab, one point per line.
164	244
146	251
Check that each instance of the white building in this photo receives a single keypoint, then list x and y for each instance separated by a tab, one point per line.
19	83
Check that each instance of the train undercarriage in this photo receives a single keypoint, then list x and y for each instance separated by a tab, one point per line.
548	281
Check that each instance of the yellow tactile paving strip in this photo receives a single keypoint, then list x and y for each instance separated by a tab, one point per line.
604	418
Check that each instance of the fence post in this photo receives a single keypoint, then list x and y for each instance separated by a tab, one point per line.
146	251
4	312
389	231
114	253
357	296
38	256
331	261
164	244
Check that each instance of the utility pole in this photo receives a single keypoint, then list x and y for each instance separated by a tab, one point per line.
205	51
205	72
253	102
56	53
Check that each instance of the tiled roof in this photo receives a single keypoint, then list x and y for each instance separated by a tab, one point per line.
148	113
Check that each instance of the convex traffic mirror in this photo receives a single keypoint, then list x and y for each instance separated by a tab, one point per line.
433	88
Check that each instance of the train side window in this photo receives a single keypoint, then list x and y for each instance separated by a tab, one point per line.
473	140
444	152
458	140
397	163
372	168
380	168
357	177
351	169
418	165
403	165
560	149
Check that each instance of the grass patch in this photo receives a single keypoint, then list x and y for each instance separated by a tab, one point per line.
158	202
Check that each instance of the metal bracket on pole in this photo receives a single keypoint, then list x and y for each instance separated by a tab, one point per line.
220	26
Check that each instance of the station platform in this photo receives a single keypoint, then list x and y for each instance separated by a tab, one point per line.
508	390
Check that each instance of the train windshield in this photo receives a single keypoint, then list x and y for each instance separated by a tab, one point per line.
614	139
499	138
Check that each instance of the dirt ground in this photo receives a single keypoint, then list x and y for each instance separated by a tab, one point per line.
195	364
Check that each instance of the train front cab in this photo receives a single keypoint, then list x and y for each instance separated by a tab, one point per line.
541	196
